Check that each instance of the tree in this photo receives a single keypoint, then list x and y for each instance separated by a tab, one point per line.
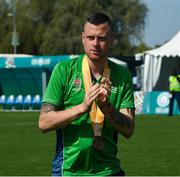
32	17
5	28
49	27
63	35
64	32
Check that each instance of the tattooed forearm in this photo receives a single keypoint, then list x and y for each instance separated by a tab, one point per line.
121	119
47	108
123	122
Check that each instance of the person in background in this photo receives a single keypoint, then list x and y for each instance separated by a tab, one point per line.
1	90
89	101
174	88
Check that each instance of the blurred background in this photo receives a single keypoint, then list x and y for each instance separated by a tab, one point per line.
37	34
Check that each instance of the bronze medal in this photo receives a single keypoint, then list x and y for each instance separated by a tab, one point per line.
98	142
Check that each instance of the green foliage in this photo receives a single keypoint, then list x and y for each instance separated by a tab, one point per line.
47	27
5	29
141	48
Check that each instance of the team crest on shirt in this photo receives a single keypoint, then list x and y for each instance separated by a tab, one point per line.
77	84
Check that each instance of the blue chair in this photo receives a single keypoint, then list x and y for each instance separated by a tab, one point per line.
2	101
18	104
36	102
27	102
10	102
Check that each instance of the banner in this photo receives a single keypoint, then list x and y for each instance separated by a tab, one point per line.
158	103
33	62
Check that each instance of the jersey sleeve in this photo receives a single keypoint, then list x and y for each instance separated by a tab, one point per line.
128	94
54	93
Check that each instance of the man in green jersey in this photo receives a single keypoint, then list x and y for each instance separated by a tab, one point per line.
88	101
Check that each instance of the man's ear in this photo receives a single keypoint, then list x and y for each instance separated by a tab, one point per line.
82	37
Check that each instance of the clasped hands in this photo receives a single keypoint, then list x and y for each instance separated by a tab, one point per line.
100	93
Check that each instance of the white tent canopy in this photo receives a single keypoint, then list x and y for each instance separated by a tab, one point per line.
153	60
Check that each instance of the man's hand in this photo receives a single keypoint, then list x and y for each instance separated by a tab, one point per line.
104	93
91	95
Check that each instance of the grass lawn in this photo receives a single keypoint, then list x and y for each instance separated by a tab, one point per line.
154	150
24	150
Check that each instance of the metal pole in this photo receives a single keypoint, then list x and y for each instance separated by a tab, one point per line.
14	26
44	81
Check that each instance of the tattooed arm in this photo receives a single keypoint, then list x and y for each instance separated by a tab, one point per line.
122	121
51	118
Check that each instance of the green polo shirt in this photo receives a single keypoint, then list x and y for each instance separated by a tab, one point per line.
75	154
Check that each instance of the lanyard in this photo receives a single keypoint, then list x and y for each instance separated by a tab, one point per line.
97	117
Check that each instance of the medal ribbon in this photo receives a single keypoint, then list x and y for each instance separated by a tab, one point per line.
97	117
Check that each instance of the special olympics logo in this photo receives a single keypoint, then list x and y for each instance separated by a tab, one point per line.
163	99
9	63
